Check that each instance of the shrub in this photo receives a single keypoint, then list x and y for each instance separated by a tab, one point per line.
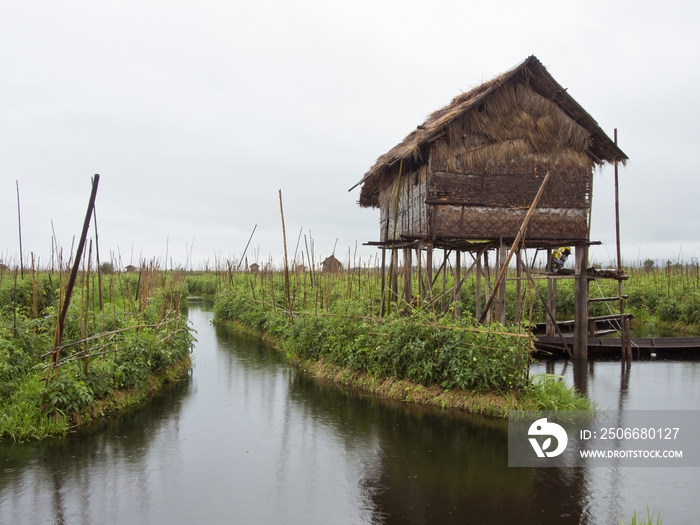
68	393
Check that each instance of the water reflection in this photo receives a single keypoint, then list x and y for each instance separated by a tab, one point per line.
73	480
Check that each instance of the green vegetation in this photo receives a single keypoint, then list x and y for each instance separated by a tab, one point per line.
649	520
550	392
334	329
667	297
120	344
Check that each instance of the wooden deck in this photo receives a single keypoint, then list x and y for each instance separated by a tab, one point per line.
610	346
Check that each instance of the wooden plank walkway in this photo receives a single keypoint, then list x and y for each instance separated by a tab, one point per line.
641	346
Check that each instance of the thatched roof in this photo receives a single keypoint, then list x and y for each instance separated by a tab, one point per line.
529	87
331	264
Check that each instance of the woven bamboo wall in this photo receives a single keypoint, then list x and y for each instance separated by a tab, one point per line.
412	211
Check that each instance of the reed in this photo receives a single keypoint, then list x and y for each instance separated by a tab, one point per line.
649	520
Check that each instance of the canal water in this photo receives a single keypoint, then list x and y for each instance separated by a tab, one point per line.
249	439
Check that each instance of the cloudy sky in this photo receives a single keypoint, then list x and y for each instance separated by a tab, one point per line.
195	114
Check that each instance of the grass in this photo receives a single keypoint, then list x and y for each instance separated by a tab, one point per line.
649	520
550	392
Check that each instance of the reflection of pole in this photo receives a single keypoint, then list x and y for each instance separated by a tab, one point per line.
625	370
581	376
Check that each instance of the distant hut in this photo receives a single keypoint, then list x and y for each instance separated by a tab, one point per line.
331	264
254	268
131	269
465	179
300	268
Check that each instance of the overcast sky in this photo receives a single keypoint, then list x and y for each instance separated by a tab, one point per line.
195	114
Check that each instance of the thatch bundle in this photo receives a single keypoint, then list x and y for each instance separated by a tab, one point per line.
511	124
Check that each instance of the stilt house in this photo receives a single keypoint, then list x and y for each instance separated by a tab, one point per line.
465	179
471	171
331	264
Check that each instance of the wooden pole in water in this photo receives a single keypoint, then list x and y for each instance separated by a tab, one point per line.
626	348
581	304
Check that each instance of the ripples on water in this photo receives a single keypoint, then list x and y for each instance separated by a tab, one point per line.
247	439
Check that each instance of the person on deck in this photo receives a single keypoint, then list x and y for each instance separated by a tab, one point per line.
559	257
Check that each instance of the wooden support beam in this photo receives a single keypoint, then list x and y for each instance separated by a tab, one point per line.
501	309
429	270
394	275
444	305
551	299
518	291
407	264
419	258
581	304
457	289
600	299
382	307
477	313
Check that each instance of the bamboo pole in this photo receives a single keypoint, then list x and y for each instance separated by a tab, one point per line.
477	312
97	256
286	263
74	272
518	291
457	294
19	225
625	343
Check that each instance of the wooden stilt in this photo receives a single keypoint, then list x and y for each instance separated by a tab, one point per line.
382	307
551	298
394	275
457	291
487	288
429	271
581	304
503	261
518	290
420	284
444	280
407	263
477	312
